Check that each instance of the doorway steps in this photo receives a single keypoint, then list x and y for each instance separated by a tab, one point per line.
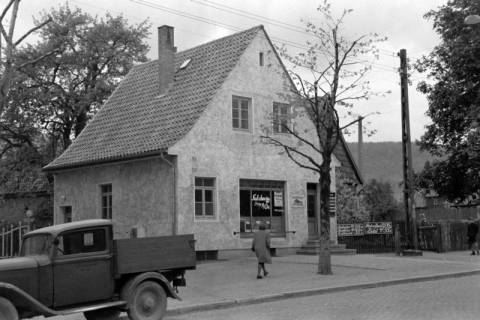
312	247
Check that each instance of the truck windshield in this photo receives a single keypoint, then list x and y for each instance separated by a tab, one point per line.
36	245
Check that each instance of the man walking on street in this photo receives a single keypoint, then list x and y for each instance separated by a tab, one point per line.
261	247
472	232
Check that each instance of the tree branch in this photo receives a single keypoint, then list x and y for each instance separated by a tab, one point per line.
32	30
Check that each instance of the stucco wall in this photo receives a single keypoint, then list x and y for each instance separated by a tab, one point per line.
214	149
142	195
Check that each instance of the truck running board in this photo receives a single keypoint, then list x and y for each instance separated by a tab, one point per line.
92	307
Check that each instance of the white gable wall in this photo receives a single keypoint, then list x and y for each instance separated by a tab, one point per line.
214	149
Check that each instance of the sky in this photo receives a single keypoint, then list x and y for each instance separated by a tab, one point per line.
200	21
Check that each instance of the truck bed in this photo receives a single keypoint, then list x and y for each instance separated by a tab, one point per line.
154	254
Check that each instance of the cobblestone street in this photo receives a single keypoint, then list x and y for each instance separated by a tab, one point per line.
454	298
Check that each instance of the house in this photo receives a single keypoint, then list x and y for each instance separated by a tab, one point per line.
176	150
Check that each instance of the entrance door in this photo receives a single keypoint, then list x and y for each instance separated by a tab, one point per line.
82	268
312	207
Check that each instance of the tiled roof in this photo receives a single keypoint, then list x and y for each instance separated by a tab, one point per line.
135	121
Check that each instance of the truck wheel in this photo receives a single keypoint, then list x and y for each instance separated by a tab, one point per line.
148	301
7	310
102	314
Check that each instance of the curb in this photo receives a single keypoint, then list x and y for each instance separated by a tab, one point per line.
310	292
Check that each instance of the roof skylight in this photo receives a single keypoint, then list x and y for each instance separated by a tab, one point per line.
185	64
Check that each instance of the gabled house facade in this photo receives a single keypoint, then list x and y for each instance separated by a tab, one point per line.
176	149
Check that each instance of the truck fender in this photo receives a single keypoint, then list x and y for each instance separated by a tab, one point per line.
23	300
152	276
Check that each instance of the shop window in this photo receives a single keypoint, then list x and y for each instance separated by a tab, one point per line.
106	198
204	197
262	202
241	113
281	117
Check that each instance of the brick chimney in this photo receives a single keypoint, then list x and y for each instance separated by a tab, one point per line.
166	57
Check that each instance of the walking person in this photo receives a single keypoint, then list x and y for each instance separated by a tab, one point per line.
261	247
472	232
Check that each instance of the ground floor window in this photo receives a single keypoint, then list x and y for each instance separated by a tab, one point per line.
67	213
106	195
262	202
204	197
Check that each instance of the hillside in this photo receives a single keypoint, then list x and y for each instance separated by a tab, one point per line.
383	161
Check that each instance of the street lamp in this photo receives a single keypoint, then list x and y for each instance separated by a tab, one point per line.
29	217
472	19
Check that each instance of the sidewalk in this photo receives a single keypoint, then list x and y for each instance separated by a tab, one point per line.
221	284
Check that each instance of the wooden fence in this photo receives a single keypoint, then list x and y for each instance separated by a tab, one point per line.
451	214
11	239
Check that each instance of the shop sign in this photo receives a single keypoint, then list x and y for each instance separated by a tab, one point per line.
378	228
278	199
298	201
350	229
261	201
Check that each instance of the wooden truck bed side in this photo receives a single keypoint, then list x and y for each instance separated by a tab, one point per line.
154	254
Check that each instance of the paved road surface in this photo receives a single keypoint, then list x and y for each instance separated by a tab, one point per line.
449	299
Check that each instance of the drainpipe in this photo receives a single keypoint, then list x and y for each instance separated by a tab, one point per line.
174	203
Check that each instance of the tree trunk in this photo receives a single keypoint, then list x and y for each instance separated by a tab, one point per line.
324	259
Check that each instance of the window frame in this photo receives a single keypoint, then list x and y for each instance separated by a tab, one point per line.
203	188
239	119
278	117
106	212
62	256
67	211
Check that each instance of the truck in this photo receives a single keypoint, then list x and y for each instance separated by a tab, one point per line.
78	267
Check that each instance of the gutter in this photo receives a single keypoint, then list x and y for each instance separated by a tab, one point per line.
174	203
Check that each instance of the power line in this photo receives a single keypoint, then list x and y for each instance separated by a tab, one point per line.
250	15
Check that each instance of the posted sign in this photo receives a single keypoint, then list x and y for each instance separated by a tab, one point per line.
350	229
378	228
360	229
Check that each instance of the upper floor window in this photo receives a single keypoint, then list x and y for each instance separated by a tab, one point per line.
260	59
106	195
241	113
204	197
281	117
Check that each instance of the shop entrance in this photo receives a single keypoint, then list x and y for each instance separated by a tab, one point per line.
312	209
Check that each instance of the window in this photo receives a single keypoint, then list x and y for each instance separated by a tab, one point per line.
281	117
82	242
260	59
262	202
241	113
204	197
106	194
67	213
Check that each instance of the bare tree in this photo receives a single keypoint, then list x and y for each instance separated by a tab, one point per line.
328	78
8	47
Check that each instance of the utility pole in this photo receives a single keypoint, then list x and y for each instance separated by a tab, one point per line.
408	187
360	143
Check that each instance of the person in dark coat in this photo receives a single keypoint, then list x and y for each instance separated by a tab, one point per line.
261	247
472	231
